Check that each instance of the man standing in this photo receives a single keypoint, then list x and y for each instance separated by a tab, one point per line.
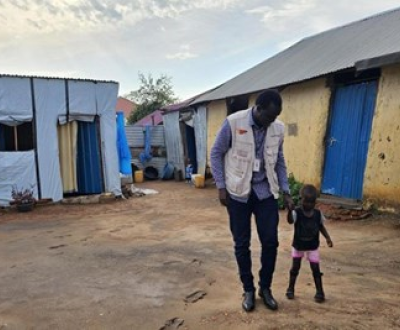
249	169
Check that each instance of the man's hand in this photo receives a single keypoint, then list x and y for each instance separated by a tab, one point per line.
223	197
288	202
329	242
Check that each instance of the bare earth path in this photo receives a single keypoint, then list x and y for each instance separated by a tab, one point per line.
131	263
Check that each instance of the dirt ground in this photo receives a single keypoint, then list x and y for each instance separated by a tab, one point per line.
130	264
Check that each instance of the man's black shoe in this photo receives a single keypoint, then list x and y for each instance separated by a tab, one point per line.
249	301
268	299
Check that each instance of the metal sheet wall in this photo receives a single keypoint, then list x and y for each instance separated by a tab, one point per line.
157	162
200	131
135	137
173	140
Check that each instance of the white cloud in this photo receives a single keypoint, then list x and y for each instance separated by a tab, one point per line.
181	56
60	15
184	53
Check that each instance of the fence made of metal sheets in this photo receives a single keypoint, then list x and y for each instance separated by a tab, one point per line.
136	141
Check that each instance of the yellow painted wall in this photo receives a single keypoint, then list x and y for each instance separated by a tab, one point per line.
304	104
307	106
216	114
382	174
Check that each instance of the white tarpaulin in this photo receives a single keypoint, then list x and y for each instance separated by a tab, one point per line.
82	97
16	169
106	98
50	103
15	100
82	102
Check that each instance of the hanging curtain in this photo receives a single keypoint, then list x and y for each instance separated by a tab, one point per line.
2	139
89	160
67	144
145	156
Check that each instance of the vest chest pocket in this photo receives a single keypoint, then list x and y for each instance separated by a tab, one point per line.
236	173
239	166
271	156
272	149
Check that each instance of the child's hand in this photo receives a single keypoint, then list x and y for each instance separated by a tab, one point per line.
329	242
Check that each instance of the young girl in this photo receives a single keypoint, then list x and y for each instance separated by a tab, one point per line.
308	223
188	171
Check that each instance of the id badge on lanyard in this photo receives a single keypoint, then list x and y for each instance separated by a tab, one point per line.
256	166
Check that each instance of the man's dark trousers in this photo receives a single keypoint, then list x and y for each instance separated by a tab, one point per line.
267	219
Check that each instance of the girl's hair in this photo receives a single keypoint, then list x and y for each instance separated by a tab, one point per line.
309	191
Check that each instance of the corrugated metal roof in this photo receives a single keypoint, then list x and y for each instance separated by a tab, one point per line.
153	119
58	78
318	55
377	62
183	105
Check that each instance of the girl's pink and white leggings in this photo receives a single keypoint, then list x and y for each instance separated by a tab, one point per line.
312	256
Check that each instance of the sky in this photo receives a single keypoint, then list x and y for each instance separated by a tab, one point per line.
199	44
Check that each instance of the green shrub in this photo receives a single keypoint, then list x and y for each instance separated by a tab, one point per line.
295	187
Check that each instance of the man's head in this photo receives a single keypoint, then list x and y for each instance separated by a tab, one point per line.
309	196
268	107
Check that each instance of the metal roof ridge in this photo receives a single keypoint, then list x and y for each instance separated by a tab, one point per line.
56	78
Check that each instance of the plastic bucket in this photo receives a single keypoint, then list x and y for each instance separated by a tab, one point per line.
138	176
198	180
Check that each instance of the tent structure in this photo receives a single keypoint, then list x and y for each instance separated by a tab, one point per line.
57	136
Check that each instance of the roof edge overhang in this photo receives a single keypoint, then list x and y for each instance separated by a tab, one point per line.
377	62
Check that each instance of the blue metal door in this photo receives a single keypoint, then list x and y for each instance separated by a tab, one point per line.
347	140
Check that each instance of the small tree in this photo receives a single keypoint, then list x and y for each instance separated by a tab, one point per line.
152	95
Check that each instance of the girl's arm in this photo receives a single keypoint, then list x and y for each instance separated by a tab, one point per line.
290	219
325	233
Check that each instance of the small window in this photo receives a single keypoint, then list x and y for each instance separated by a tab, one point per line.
16	138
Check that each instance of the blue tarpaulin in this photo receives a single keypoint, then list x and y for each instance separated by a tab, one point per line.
124	154
146	155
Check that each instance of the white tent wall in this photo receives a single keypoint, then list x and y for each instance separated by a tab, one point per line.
49	104
82	102
82	98
15	100
106	99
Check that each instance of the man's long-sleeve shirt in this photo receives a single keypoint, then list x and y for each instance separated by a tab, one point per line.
259	182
